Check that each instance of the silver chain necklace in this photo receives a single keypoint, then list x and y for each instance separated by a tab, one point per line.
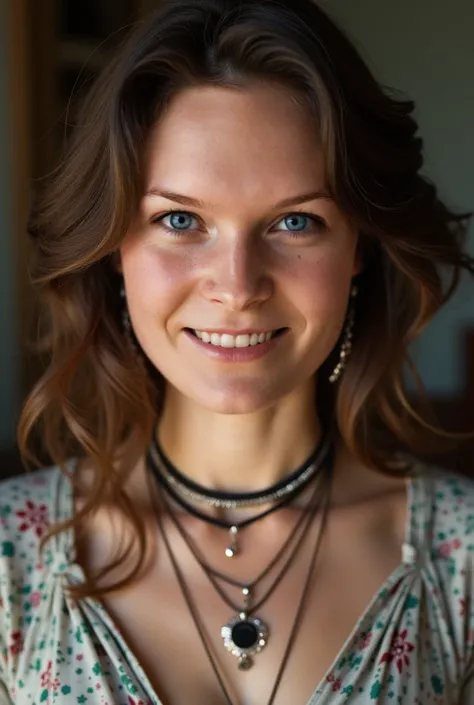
202	495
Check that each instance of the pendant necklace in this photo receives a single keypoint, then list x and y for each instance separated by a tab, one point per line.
247	632
245	635
286	490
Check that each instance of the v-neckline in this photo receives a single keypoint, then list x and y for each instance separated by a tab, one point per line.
400	571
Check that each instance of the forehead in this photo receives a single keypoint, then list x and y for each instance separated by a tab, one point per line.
245	142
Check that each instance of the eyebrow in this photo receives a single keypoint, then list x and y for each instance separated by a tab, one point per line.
197	203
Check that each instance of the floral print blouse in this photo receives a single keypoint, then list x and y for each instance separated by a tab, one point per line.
414	644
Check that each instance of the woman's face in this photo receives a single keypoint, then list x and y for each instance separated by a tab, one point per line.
255	246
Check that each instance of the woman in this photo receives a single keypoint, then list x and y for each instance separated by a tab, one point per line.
235	255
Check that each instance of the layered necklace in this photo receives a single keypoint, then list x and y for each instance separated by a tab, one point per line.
245	634
183	490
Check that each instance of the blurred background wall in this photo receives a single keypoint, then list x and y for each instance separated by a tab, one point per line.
50	47
426	49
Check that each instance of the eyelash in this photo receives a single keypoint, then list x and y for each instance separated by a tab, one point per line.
316	220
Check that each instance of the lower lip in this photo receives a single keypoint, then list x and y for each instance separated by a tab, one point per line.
253	352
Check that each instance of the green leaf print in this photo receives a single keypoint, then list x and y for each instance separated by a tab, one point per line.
5	511
412	601
375	690
44	695
438	685
97	669
66	689
128	683
8	549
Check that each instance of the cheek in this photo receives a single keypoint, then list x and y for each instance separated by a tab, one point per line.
321	287
155	280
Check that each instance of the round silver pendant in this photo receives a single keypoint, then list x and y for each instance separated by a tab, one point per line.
244	637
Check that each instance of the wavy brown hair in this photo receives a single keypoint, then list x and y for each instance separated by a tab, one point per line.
94	399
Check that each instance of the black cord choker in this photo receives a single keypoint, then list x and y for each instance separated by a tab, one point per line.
235	500
292	486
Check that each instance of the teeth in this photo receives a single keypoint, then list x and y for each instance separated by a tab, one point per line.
231	341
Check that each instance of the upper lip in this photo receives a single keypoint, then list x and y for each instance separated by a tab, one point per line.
235	332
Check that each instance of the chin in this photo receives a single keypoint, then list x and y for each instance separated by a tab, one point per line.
242	397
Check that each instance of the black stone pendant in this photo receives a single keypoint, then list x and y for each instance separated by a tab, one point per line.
244	637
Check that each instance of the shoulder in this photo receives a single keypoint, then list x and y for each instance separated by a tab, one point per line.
442	525
442	513
29	505
449	511
31	502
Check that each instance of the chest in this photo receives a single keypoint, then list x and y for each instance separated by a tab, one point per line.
154	617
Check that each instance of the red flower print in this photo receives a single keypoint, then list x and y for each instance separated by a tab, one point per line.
447	547
35	517
336	683
132	701
444	549
365	640
46	675
16	647
47	680
35	598
399	648
462	607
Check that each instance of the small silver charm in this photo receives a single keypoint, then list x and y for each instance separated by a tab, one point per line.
232	548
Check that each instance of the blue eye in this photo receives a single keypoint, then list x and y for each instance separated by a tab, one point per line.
296	222
178	220
301	223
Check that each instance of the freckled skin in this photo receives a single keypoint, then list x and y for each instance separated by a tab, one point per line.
241	152
244	426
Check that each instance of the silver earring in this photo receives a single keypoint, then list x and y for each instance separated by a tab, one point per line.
346	345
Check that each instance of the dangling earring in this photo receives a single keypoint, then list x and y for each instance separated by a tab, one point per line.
346	346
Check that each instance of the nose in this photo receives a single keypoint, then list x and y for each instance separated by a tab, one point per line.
239	276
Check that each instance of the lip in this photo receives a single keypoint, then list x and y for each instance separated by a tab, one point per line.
249	354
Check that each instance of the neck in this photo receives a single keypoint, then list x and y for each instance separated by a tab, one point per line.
239	453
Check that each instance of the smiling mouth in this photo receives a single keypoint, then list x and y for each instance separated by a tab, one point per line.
243	340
